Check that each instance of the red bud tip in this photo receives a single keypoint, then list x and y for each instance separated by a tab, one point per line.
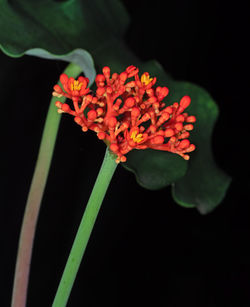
184	135
178	126
191	148
101	135
169	110
78	120
112	121
58	104
130	102
162	92
184	144
165	116
115	76
191	119
185	101
64	78
92	115
165	91
161	132
65	107
145	117
135	112
89	98
180	118
106	72
123	76
123	159
169	133
58	89
99	78
189	127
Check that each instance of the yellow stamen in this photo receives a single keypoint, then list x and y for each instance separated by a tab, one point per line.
76	86
137	138
145	78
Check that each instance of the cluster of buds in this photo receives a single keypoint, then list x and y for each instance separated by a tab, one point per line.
127	112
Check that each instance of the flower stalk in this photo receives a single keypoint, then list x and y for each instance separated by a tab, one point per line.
33	204
84	231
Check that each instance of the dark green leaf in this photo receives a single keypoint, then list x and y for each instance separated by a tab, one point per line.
59	27
204	184
155	169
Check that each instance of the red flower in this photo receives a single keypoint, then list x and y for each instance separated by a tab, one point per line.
127	112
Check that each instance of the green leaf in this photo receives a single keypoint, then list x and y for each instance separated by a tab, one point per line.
204	185
59	27
155	169
79	57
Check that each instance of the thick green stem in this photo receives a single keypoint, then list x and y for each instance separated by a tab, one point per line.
84	231
35	197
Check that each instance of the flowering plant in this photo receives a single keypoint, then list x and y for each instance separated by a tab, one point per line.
119	111
142	118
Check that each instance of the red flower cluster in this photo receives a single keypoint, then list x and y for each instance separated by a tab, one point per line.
127	112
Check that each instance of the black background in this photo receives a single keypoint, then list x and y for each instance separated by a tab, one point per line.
145	249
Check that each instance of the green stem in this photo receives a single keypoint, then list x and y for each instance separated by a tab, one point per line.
84	231
34	199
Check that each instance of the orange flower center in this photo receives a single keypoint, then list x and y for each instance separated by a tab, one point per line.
145	78
75	86
136	137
